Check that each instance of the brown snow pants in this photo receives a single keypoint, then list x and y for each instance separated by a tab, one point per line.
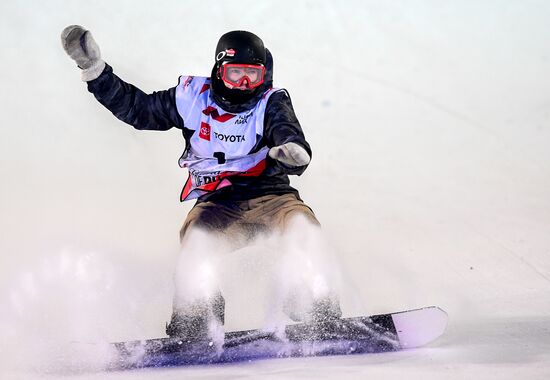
263	214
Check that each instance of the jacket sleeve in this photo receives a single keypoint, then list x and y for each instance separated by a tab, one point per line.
280	127
156	111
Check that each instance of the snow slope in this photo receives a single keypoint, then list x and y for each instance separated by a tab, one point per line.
430	126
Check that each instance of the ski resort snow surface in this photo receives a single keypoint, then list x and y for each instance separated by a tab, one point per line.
429	123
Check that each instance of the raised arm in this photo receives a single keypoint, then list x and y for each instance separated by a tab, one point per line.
156	111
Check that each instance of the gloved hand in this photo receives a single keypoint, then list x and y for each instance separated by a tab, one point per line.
291	154
81	46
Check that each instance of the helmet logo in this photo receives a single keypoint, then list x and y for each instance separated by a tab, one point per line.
226	53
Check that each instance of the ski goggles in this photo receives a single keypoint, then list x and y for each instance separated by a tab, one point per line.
239	74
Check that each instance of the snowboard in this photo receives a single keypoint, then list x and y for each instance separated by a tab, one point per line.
358	335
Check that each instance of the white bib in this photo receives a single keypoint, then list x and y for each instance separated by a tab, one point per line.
222	143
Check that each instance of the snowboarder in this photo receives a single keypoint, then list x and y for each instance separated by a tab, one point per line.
242	141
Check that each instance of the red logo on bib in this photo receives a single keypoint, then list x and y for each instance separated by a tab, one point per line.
205	131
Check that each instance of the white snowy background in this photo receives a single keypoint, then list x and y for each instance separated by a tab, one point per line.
430	126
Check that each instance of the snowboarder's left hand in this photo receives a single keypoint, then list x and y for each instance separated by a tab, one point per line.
290	154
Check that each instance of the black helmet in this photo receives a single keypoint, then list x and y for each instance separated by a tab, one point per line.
240	46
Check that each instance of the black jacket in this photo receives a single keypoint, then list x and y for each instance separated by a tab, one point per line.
157	111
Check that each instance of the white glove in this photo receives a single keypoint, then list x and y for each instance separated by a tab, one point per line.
81	46
291	154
